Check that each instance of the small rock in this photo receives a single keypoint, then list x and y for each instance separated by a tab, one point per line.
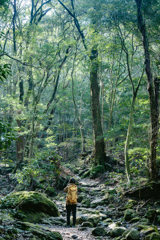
99	231
152	236
132	235
74	236
118	231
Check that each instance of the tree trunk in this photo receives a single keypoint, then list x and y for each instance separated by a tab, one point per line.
128	173
99	146
20	142
151	90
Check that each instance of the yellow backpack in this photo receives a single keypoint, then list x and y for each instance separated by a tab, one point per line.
72	194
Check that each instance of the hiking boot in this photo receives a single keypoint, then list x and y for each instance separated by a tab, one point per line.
68	226
73	226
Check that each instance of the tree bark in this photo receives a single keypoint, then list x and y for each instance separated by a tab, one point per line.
151	90
99	146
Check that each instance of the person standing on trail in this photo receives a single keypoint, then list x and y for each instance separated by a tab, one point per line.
71	201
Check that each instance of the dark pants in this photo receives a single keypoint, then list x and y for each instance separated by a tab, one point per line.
71	208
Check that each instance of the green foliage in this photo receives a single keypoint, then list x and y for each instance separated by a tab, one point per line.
95	171
138	161
5	70
6	135
43	168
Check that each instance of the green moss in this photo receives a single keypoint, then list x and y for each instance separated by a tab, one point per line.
33	205
95	171
39	231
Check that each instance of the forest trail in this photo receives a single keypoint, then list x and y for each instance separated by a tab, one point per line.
76	233
73	233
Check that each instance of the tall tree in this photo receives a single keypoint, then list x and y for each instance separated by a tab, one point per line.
154	114
99	146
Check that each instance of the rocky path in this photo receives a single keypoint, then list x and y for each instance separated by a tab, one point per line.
88	186
73	233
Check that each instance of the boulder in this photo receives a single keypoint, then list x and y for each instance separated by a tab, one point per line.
99	202
92	218
86	203
152	236
81	197
130	204
107	221
87	224
39	231
29	206
129	214
133	220
147	230
133	234
99	231
150	214
60	221
117	231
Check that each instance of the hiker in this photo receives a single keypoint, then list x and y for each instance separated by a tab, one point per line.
71	201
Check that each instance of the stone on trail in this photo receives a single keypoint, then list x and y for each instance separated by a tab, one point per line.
60	221
99	202
39	231
87	224
152	236
74	236
117	231
93	218
33	206
129	214
147	230
133	234
107	221
86	202
130	204
99	231
150	214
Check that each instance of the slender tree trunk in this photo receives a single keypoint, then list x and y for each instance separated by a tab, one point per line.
128	173
20	142
14	28
99	146
151	90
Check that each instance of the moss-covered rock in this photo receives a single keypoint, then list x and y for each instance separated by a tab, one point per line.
132	234
86	203
39	231
87	224
93	218
129	214
81	197
146	229
99	202
61	221
150	214
29	206
99	231
117	231
133	220
152	236
130	204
